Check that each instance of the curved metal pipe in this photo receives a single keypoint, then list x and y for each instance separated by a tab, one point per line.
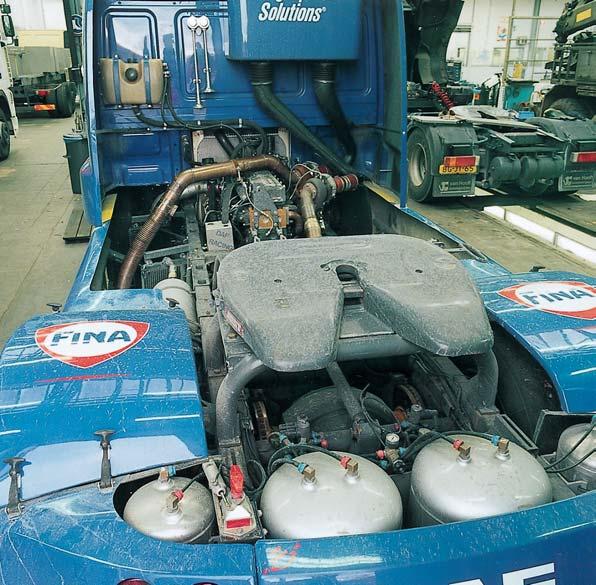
323	77
226	403
169	203
306	197
262	84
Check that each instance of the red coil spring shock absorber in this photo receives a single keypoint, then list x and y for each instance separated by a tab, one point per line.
442	95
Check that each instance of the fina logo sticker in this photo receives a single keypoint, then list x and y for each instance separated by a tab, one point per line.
85	344
565	298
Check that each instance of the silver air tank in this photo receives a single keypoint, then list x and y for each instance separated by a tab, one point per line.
586	470
357	500
156	510
478	481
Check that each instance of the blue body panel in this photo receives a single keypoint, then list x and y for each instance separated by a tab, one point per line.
256	28
50	410
78	538
564	346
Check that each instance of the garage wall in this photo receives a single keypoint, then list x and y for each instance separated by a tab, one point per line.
40	15
481	47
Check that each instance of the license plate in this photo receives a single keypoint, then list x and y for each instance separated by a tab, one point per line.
443	170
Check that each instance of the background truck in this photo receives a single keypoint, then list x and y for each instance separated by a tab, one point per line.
452	152
41	79
574	64
8	119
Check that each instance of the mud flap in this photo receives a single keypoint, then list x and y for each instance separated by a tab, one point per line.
454	186
577	180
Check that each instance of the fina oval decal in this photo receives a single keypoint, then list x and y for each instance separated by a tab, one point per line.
85	344
565	298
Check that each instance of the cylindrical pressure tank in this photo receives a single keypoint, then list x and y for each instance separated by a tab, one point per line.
586	470
337	502
490	480
153	511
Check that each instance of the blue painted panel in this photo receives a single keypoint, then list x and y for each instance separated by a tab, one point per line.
478	552
50	409
311	30
564	345
78	539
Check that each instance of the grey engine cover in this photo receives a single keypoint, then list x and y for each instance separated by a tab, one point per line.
286	300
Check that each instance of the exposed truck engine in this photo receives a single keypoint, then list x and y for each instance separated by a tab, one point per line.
263	347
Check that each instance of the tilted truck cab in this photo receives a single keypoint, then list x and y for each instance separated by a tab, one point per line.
269	369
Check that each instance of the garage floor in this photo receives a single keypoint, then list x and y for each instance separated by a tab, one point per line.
37	267
35	204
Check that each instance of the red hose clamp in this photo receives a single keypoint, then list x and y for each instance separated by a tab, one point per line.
344	461
457	444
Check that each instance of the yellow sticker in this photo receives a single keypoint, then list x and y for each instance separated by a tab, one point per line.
382	192
443	170
583	15
108	207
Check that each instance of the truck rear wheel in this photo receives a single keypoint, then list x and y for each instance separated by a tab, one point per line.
420	165
4	137
573	107
65	100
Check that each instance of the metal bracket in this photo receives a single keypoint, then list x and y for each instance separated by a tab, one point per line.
105	481
13	507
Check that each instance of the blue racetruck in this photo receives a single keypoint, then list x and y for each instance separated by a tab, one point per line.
269	369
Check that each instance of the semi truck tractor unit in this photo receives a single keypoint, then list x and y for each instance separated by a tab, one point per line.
269	369
454	146
9	124
573	68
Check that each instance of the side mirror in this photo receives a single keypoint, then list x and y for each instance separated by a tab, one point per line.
8	26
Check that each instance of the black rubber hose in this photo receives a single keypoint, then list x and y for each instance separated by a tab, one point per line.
228	395
261	74
323	78
224	142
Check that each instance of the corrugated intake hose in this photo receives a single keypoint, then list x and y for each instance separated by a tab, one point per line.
169	203
323	78
262	83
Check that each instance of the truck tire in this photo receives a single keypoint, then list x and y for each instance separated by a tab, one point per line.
4	137
572	106
66	94
420	163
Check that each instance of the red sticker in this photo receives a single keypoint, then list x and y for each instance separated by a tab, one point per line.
566	298
85	344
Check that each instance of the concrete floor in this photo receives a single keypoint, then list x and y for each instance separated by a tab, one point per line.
36	266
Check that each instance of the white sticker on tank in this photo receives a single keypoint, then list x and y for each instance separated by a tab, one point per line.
567	298
85	344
